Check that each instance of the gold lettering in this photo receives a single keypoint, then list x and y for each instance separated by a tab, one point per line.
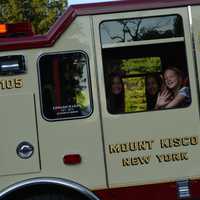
142	145
160	158
185	141
144	159
184	156
3	84
124	147
176	157
165	143
132	146
177	142
135	161
140	160
145	145
167	158
18	83
194	140
9	84
126	162
114	148
171	157
150	144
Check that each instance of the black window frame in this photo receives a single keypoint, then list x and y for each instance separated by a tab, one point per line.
88	83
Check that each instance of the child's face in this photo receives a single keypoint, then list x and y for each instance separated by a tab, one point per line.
116	85
172	79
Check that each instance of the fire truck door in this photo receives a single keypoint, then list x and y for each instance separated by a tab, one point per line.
147	142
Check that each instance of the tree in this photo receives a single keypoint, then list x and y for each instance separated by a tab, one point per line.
41	13
129	30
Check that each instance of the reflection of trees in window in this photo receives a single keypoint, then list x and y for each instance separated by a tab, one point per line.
128	30
135	97
64	82
133	66
72	70
74	83
141	65
78	81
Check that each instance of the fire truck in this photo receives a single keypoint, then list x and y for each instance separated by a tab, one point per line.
105	106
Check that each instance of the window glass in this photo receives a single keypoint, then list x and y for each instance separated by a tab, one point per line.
64	86
148	76
128	30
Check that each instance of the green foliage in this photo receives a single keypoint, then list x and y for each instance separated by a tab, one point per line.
141	65
41	13
82	99
135	97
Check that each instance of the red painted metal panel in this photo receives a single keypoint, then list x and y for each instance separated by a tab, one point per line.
164	191
195	189
56	79
87	9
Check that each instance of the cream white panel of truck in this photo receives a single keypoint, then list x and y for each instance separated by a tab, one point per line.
18	143
68	115
149	96
63	81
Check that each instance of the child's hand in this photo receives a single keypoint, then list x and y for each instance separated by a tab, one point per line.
164	97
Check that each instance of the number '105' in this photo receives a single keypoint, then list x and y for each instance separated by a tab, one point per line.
11	83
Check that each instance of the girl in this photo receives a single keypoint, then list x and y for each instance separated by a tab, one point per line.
153	86
174	93
116	95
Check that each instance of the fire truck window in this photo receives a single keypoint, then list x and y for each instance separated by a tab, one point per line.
64	86
127	30
143	75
